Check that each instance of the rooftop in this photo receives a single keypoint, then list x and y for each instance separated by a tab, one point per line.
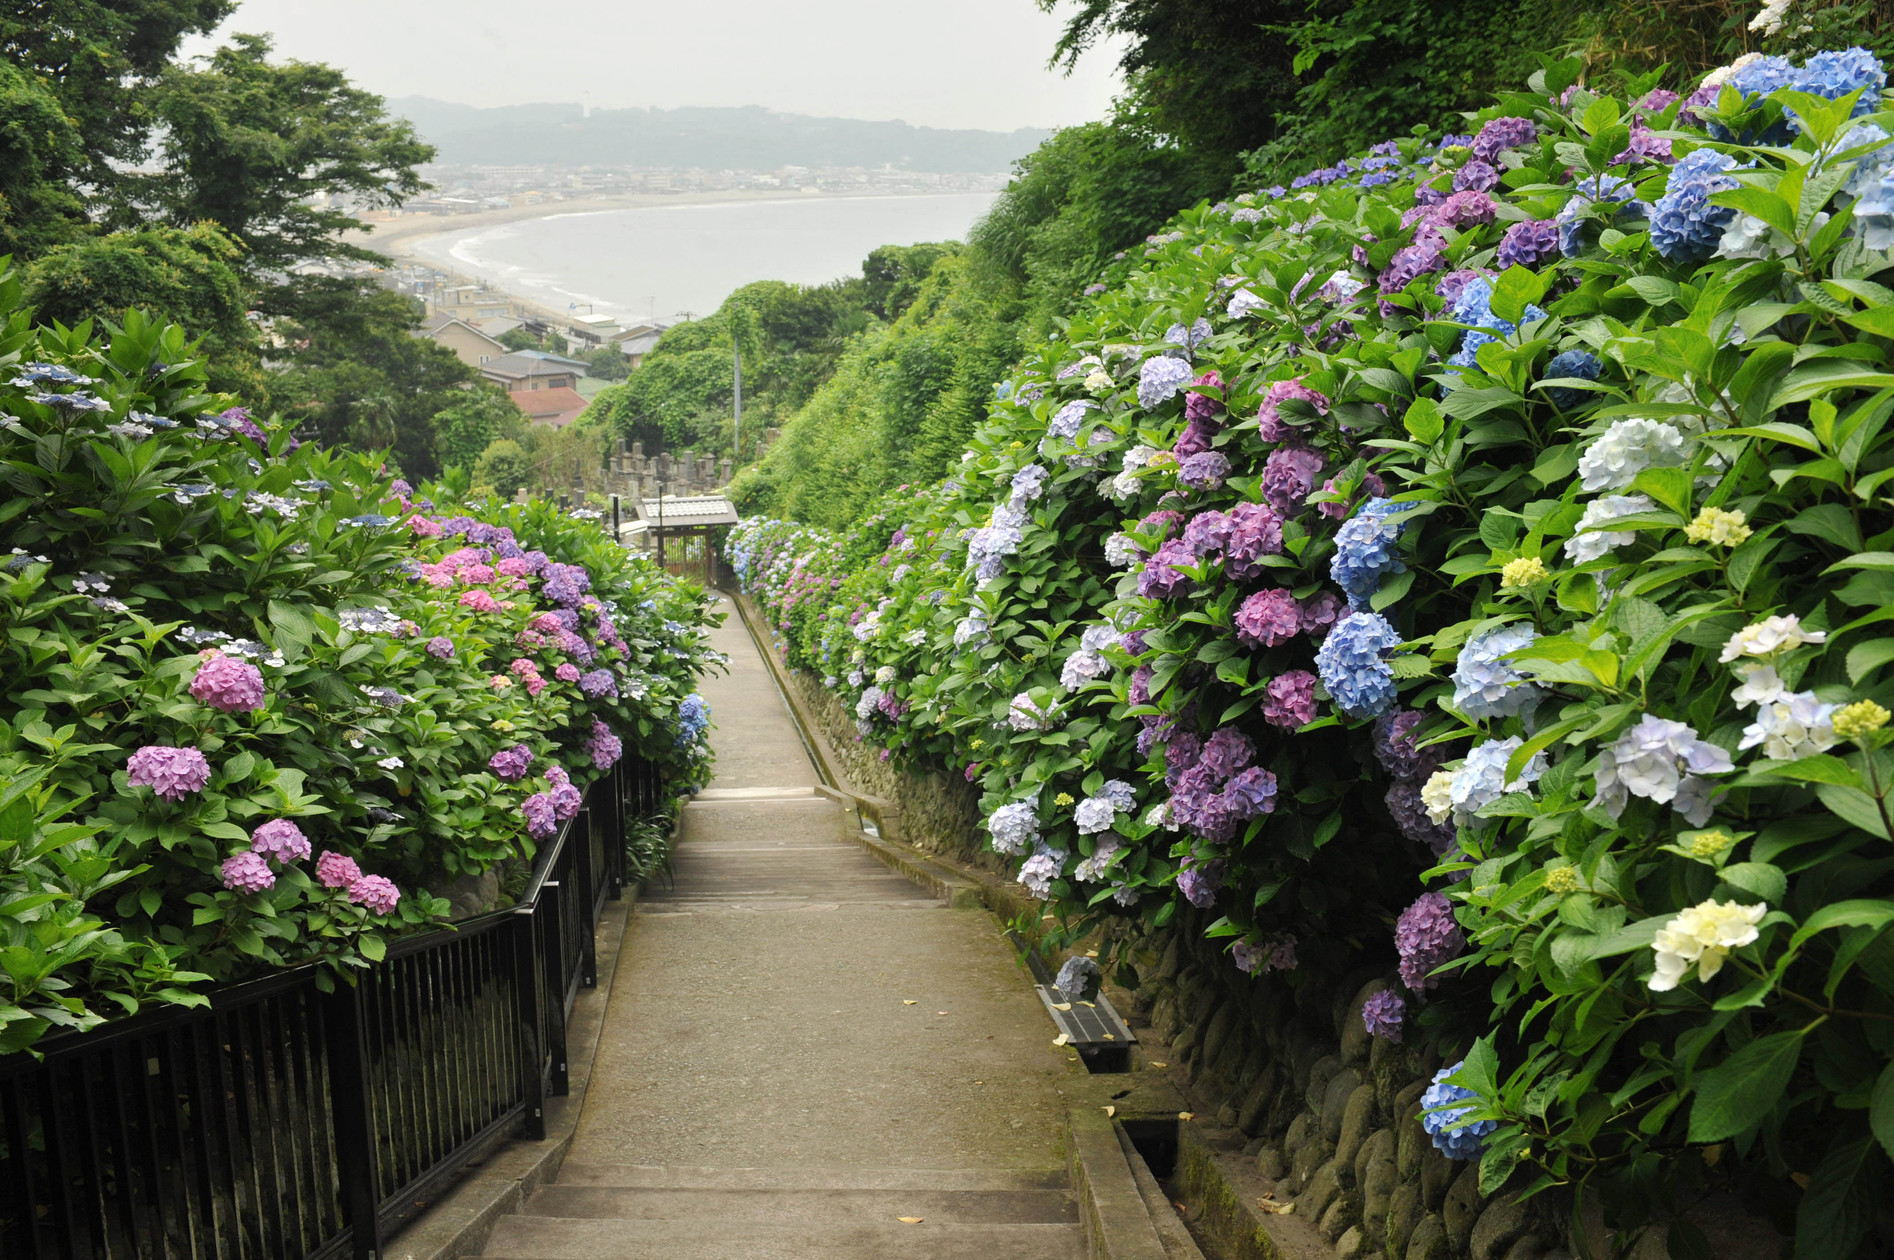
690	511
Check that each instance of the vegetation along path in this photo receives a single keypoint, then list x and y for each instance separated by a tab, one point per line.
803	1055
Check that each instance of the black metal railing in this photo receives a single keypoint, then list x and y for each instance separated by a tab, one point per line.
293	1120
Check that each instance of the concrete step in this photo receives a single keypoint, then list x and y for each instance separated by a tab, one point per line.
815	1209
807	1177
559	1238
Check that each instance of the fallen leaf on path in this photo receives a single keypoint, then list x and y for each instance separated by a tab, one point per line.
1111	1036
1110	1112
1155	1063
906	1002
1060	1040
1186	1115
979	1082
940	1012
910	1220
1061	1006
1091	953
1268	1204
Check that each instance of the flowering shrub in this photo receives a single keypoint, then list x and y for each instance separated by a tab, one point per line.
1519	501
224	653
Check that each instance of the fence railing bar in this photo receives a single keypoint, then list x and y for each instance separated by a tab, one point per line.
144	1085
131	1204
354	1112
527	1017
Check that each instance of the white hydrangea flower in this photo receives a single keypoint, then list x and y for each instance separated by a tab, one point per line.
971	629
1703	937
1092	869
1663	761
1487	686
1014	827
1626	449
1480	780
1098	638
868	627
1769	637
914	638
1243	302
1794	726
1122	795
1028	484
1591	542
865	707
885	675
1039	872
1437	796
1160	816
1082	667
1024	715
856	678
1093	815
1769	20
1120	551
1760	685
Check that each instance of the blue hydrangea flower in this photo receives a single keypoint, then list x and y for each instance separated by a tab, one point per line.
1485	685
1454	1135
1160	379
1684	224
1353	665
1578	365
1872	184
1475	306
1364	549
1572	218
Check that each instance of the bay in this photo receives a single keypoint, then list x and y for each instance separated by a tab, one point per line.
663	261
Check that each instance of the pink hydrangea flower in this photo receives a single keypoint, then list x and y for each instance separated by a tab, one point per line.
375	894
229	684
523	668
476	575
513	567
567	672
249	873
172	773
336	870
1289	700
421	527
1268	618
529	639
535	685
479	601
281	840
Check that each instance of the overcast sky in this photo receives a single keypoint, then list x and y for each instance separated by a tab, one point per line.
934	63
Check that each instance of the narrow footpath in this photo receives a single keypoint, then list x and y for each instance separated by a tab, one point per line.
804	1056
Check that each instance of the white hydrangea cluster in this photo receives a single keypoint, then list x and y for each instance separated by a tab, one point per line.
1485	685
971	629
914	638
1769	637
1120	551
868	627
988	548
1626	449
1028	484
885	675
1092	869
1591	542
1040	870
1792	726
1161	815
1702	937
1024	715
1663	761
1014	827
1126	484
1481	778
1437	796
1244	303
1097	813
865	707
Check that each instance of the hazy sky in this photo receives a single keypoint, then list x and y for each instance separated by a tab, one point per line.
935	63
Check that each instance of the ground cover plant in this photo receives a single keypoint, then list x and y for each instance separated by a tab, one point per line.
1475	555
259	698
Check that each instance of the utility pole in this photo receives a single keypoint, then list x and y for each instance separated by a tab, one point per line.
736	434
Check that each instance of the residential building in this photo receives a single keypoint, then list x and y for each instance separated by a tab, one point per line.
554	407
472	346
527	370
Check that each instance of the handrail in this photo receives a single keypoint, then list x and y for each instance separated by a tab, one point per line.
284	1120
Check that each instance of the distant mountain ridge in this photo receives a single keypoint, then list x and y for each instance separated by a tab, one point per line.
716	138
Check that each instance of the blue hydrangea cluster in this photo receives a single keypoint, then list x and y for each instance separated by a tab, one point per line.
1684	224
1872	185
1353	665
1475	306
1573	218
693	715
1485	685
1579	365
1365	550
1832	75
1454	1135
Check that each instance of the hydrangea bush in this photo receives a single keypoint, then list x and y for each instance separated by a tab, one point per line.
1514	505
259	700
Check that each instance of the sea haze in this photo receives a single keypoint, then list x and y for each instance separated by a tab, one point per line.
662	260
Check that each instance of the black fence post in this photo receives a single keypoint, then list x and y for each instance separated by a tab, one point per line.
532	1019
587	898
555	903
352	1104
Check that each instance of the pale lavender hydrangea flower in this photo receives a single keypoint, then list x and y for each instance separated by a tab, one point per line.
1160	379
248	872
228	684
1485	685
1014	827
281	840
1661	761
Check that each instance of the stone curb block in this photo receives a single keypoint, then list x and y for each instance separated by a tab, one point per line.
1117	1222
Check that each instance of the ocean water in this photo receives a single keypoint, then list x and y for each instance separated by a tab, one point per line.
665	260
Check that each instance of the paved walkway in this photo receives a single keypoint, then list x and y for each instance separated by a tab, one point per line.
802	1050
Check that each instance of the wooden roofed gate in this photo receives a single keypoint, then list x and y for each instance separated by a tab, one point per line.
679	528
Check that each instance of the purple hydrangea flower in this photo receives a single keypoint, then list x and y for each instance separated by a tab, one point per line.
1411	816
1268	618
1251	793
1353	665
1161	577
248	872
1395	749
1270	425
566	800
1289	474
1199	881
1466	209
598	683
1196	438
1502	134
172	773
1384	1014
281	840
1226	752
1319	612
1289	700
375	893
1208	534
541	820
1475	176
1528	244
1202	406
1255	532
1204	470
440	647
603	747
511	764
1427	937
226	683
